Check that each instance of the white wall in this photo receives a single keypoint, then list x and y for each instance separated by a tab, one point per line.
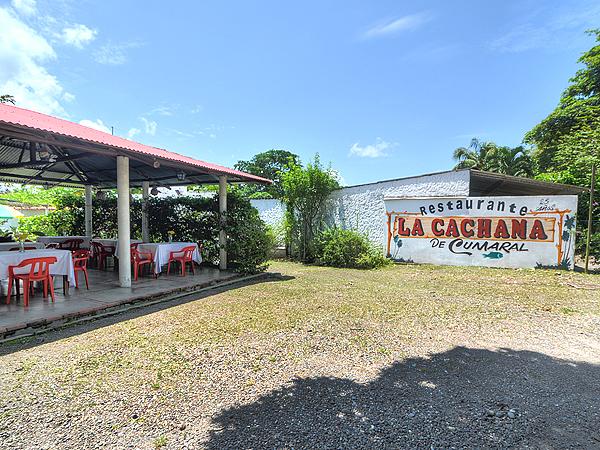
362	208
272	211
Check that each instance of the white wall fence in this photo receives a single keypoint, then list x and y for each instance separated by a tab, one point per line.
366	209
362	208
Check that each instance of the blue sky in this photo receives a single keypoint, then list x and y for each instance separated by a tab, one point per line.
380	89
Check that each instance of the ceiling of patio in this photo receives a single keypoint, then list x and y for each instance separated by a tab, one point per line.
40	149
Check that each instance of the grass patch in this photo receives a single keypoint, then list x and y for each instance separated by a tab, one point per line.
369	312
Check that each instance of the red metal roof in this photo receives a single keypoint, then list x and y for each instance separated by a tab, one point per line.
20	117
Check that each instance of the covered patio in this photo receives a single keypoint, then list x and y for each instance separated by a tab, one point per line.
39	149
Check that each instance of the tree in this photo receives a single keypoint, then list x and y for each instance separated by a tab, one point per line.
515	161
271	164
578	109
491	157
305	193
475	156
5	98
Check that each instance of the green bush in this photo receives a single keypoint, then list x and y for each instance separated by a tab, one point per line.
249	241
346	248
594	245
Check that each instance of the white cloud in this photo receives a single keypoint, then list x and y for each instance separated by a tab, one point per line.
181	133
23	53
78	35
133	132
114	54
162	111
562	29
68	97
95	124
149	126
376	150
25	7
393	26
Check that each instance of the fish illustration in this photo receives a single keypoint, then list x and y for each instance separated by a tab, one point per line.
493	255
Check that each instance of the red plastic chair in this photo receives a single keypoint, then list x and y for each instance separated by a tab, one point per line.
101	252
80	260
14	249
182	256
70	244
39	271
139	259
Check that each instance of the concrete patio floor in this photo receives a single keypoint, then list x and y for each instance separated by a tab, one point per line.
104	294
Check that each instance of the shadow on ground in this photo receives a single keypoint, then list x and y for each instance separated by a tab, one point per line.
461	398
69	330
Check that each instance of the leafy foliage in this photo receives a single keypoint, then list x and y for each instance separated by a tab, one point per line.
491	157
6	98
271	164
36	195
193	219
567	140
578	109
305	193
347	248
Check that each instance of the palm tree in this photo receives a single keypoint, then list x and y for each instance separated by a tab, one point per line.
475	156
493	158
511	161
5	98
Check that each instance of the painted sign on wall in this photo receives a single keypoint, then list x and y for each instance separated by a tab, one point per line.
483	231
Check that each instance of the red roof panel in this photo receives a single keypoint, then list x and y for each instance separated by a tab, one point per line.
30	119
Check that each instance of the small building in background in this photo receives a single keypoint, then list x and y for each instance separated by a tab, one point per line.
496	223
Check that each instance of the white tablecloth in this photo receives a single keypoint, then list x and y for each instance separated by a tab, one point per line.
5	246
59	239
62	266
161	251
115	243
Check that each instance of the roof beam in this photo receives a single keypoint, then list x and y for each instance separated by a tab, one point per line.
38	178
36	163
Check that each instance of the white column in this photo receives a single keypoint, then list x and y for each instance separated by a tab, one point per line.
123	220
223	220
145	196
88	210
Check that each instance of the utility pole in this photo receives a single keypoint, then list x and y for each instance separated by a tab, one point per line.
590	211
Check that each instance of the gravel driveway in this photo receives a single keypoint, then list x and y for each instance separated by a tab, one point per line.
405	357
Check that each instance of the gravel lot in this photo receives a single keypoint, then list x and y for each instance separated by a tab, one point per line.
403	357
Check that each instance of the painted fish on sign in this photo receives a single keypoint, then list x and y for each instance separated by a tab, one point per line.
528	231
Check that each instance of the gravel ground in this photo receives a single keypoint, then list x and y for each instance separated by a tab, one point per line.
405	357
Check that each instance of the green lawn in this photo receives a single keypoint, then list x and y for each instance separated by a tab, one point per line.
230	347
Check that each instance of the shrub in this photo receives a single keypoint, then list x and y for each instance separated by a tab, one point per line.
594	245
347	248
249	241
305	193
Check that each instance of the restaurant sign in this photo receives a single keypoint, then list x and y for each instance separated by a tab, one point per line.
483	231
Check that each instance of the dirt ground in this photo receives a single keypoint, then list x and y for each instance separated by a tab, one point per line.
403	357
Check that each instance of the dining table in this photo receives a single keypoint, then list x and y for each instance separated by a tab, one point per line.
162	250
62	267
114	243
60	239
6	246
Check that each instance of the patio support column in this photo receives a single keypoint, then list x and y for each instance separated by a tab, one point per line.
88	210
223	222
145	196
123	221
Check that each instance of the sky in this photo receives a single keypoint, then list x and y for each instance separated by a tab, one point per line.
379	89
